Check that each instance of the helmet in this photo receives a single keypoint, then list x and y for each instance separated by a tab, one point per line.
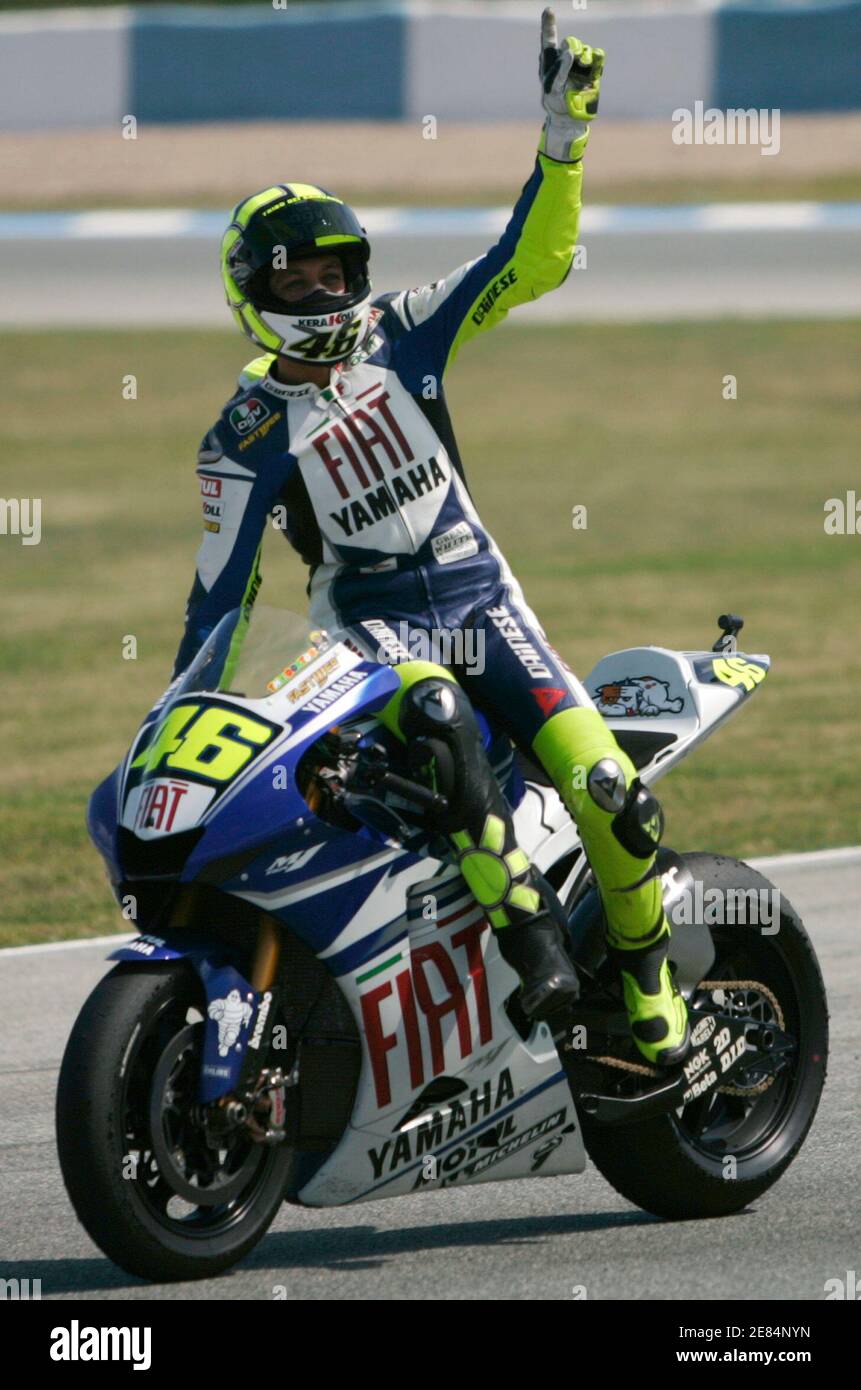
288	221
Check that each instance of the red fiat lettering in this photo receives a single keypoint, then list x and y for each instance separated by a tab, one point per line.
331	464
341	436
379	1043
375	436
404	982
413	984
435	1013
381	404
470	939
179	792
143	805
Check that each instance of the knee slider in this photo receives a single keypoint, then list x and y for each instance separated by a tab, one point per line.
427	707
639	825
606	785
442	733
433	708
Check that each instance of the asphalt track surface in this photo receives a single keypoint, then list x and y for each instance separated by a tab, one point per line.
640	269
526	1240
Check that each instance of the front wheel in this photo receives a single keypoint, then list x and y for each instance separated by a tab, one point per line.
156	1198
717	1154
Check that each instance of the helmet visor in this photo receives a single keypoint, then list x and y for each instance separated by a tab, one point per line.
290	226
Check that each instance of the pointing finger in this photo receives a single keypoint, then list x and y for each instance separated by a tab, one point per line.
548	29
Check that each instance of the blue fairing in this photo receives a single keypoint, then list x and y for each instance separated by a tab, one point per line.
103	819
270	803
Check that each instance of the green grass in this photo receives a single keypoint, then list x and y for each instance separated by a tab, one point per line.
695	505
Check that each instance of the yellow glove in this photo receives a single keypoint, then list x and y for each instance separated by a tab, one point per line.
570	75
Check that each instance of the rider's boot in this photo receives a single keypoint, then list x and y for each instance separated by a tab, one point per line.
535	951
621	823
434	714
657	1013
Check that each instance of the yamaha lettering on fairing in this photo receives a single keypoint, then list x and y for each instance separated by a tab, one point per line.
443	1125
334	691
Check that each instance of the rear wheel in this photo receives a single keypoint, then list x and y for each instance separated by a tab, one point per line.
152	1194
718	1153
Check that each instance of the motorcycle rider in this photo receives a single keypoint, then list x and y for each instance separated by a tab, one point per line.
342	430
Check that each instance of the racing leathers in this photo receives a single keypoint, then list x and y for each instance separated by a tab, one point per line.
365	478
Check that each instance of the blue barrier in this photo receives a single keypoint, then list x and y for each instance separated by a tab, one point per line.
216	65
383	61
789	57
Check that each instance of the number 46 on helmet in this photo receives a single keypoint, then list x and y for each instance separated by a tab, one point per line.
275	227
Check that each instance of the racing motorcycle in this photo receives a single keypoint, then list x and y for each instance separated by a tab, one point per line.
316	1011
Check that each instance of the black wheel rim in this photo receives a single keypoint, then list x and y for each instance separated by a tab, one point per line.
228	1180
720	1123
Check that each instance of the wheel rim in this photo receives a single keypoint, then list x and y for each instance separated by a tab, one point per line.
741	1120
185	1187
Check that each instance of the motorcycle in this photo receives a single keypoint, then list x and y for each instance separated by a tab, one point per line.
316	1011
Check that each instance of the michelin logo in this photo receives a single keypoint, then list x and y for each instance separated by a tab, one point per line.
232	1014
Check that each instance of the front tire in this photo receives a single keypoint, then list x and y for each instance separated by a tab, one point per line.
126	1091
676	1166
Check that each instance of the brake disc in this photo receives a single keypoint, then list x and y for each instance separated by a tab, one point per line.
173	1162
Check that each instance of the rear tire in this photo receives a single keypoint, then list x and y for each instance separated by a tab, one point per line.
133	1018
674	1166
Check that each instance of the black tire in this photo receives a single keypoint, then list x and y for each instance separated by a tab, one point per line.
669	1166
130	1020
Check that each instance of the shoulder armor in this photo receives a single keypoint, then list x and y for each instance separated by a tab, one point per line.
255	371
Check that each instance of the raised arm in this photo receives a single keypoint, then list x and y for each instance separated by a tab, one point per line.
535	251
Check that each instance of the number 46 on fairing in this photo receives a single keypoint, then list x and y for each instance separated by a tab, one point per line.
213	742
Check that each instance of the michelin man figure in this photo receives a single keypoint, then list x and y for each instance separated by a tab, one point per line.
231	1015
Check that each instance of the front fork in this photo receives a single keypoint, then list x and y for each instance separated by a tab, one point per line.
260	1102
236	1092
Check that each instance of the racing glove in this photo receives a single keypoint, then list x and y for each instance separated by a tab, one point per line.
570	75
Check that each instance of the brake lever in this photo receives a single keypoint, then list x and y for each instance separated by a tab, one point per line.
371	771
412	791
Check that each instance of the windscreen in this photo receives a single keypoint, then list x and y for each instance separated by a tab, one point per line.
254	655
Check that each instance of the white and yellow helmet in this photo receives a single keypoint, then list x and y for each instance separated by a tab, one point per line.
266	230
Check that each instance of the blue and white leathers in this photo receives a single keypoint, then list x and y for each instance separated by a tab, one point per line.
365	478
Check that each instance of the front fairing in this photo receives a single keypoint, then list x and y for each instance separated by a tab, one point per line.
211	773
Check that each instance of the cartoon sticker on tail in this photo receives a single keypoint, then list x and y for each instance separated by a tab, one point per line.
637	697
